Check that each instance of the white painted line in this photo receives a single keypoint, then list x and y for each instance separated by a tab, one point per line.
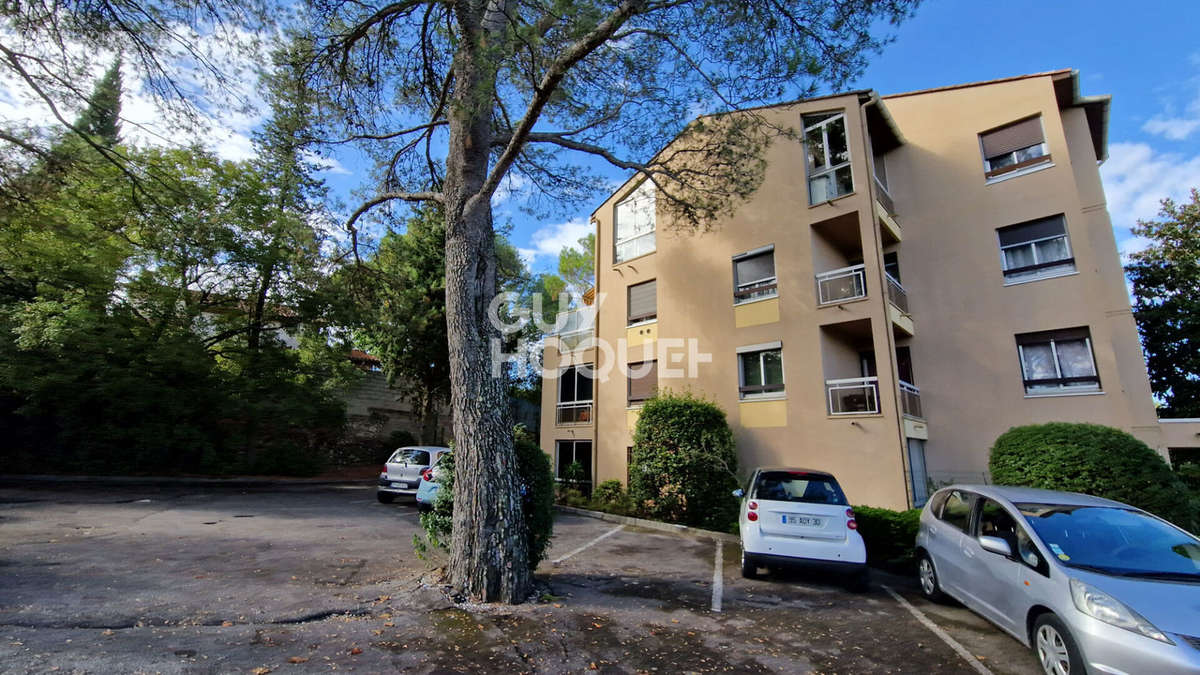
590	544
718	586
954	644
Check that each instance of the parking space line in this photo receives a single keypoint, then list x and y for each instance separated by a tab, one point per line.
954	644
590	544
718	585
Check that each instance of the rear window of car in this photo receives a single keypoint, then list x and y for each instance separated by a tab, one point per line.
410	456
798	486
956	512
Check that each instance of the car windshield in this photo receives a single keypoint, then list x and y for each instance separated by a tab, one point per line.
798	486
410	456
1113	540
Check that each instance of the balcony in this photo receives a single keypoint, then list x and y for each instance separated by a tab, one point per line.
853	396
574	412
896	294
885	199
841	285
910	400
575	328
885	213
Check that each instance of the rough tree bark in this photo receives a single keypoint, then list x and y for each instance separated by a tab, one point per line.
488	559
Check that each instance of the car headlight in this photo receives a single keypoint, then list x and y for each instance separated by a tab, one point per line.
1104	607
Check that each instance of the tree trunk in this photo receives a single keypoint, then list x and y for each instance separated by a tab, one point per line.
488	556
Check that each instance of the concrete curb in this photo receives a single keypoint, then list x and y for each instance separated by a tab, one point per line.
174	481
651	524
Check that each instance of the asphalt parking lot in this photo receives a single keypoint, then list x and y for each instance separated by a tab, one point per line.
307	579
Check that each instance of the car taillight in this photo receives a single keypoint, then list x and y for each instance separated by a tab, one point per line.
427	474
849	513
753	505
384	472
751	516
852	524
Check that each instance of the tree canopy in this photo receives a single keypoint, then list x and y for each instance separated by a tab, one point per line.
1166	293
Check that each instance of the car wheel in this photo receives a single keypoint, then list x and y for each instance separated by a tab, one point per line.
927	575
1054	647
385	498
749	568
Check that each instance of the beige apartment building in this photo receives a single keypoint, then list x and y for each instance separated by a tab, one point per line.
916	274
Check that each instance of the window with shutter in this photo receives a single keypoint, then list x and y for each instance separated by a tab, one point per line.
643	381
1014	147
1038	249
754	275
1057	361
760	371
643	302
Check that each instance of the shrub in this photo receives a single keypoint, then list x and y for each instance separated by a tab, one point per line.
1095	460
537	501
611	497
684	463
890	536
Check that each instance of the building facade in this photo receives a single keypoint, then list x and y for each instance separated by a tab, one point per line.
916	274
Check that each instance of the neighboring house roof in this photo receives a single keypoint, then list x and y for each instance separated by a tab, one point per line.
361	358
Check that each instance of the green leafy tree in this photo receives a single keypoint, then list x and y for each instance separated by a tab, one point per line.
577	266
452	98
684	462
1166	293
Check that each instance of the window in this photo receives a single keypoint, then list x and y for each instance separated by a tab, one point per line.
643	381
634	227
1058	361
803	487
760	370
828	157
643	302
881	172
575	395
573	461
1038	249
754	275
956	511
995	521
1013	147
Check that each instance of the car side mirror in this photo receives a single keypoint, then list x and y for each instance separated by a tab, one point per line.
995	545
739	493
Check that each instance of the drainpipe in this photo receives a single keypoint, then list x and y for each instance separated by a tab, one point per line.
891	338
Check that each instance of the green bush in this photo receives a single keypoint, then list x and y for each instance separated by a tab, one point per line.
684	463
1095	460
611	497
537	481
890	536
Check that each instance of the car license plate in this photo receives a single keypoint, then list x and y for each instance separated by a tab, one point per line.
400	485
801	521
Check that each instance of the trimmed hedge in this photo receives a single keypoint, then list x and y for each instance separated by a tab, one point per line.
1095	460
890	536
537	481
684	463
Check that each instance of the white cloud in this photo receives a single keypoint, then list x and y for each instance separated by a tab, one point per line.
549	241
1174	128
1136	178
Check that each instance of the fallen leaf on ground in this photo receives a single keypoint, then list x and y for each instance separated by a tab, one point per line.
356	651
227	624
298	659
262	670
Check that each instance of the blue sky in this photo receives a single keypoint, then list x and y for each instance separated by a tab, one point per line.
1146	55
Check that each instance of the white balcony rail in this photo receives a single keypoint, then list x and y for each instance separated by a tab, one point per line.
910	400
896	293
582	320
574	412
853	396
840	285
885	199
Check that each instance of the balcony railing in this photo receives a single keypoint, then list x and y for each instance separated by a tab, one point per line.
910	400
574	328
840	285
885	199
575	412
853	396
896	293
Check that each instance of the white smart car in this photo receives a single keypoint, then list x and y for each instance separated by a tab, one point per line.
799	518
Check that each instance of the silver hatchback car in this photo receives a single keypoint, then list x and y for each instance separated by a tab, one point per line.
1092	585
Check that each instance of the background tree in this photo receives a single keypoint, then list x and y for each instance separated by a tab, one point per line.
577	266
453	97
1166	294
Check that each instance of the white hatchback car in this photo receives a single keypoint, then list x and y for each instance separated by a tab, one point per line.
799	518
402	473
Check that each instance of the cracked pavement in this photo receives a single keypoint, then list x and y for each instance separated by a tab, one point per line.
311	579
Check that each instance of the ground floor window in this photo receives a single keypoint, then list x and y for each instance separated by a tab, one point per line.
573	464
